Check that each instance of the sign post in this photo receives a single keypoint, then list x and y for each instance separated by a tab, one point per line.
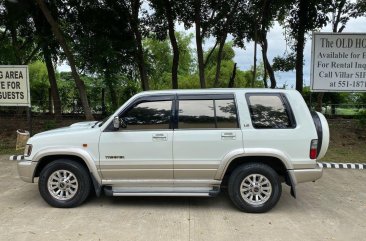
14	88
338	62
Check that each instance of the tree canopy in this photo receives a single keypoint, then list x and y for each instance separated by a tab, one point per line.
117	48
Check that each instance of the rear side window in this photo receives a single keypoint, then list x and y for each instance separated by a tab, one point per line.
207	114
269	111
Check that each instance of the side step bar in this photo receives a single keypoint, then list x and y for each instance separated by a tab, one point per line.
110	192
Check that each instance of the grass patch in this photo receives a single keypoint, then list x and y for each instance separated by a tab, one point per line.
347	141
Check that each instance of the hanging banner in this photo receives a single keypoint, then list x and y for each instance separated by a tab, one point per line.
338	62
14	85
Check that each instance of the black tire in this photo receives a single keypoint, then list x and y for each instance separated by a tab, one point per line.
76	189
246	172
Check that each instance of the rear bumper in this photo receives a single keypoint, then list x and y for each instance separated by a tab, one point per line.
306	175
26	170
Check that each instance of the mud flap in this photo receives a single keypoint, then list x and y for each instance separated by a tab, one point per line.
97	186
291	183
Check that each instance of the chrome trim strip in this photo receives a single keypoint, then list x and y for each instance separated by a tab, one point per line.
165	181
161	194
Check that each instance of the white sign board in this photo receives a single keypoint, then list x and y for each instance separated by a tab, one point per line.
14	85
338	62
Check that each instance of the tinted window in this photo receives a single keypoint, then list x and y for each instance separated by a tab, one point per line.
196	114
149	115
268	111
226	114
203	114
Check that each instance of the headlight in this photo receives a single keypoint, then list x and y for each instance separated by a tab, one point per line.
28	150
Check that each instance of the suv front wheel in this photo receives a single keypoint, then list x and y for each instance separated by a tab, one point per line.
64	183
254	187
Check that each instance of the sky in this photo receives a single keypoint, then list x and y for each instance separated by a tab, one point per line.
276	47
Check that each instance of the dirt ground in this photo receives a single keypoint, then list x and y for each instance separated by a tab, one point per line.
333	208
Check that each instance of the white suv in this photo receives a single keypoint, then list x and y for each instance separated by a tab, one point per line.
184	143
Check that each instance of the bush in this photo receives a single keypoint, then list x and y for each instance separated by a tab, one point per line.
362	118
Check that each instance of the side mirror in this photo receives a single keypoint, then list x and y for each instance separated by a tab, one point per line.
116	122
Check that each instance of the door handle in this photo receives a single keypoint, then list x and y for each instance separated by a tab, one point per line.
159	137
228	136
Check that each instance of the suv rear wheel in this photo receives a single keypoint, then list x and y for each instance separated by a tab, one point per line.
64	183
254	187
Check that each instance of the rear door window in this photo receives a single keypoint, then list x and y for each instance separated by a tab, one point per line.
207	114
196	114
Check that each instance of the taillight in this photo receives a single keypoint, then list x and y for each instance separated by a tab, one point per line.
313	149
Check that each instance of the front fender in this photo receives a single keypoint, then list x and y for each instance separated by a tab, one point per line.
69	151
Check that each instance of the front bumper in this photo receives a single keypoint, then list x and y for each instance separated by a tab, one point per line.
26	169
306	175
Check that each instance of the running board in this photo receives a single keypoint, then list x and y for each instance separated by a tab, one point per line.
119	193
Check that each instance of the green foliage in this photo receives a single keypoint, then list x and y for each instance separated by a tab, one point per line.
7	52
159	60
39	84
104	42
285	63
316	16
361	98
227	54
50	124
186	60
362	118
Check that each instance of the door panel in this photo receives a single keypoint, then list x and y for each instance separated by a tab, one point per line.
143	148
207	131
198	153
136	155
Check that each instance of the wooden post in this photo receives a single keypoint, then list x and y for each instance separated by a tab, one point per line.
103	103
29	119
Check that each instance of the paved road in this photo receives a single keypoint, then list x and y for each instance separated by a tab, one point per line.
334	208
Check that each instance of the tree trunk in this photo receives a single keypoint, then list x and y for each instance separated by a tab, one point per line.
197	21
134	19
333	109
112	89
267	65
319	102
255	62
209	54
174	44
265	78
50	102
60	38
52	79
219	58
232	78
303	15
103	103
